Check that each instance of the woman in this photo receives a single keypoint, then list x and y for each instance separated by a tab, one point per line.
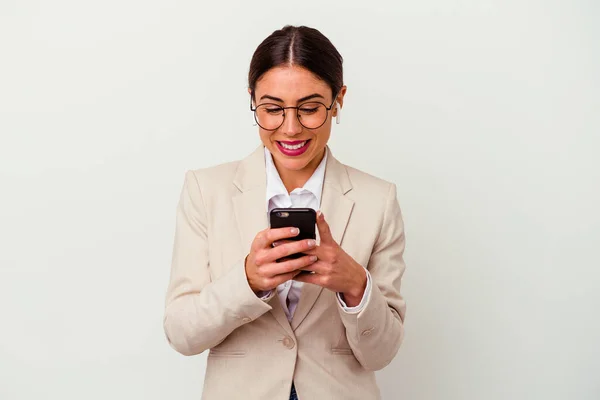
274	333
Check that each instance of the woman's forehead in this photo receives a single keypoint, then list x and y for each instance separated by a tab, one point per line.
290	83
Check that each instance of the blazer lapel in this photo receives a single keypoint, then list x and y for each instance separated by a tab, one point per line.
337	209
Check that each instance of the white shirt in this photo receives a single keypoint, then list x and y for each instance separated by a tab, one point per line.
308	196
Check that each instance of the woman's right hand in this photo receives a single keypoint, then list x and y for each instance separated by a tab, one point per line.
262	270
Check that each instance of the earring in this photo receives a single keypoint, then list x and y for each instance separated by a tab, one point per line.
337	115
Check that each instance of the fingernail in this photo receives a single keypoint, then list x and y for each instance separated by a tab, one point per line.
311	243
313	258
295	231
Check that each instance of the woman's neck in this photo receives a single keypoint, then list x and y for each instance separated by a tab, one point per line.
296	179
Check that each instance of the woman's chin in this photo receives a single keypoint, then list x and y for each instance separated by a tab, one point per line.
294	164
297	163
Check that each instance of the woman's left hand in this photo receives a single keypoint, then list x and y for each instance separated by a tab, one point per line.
334	269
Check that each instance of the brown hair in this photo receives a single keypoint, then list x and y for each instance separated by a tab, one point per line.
302	46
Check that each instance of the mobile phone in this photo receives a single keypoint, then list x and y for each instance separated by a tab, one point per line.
305	219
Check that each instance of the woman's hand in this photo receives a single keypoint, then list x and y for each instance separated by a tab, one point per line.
262	270
334	268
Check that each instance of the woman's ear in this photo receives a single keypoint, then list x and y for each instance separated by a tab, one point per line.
253	117
340	96
339	103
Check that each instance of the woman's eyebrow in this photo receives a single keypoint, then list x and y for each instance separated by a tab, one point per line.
266	96
310	96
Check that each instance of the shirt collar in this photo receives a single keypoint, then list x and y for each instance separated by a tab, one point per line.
276	187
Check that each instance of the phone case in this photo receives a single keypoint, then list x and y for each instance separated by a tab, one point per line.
304	219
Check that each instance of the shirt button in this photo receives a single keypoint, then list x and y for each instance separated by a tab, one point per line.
367	332
246	320
288	342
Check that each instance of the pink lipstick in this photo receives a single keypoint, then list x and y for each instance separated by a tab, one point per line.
293	148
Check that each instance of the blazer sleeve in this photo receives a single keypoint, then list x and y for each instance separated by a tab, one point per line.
200	312
376	332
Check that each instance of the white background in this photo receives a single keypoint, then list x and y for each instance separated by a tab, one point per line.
484	113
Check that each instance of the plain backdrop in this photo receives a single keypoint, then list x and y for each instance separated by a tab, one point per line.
484	113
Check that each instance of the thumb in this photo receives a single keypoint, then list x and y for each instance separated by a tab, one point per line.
323	227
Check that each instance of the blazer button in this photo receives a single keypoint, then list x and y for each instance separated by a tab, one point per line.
288	342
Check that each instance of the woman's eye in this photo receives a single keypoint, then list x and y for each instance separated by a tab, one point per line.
273	110
308	110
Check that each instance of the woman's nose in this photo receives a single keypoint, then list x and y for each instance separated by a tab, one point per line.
291	126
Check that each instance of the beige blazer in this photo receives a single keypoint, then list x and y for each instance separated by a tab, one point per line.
255	353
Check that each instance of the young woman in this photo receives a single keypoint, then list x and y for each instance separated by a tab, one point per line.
272	332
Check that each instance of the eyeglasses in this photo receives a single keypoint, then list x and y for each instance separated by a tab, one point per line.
311	115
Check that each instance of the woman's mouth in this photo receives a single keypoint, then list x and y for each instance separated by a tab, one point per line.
293	148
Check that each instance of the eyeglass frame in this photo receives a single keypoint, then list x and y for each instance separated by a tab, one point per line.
297	114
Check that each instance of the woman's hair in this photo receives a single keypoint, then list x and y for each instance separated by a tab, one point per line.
301	46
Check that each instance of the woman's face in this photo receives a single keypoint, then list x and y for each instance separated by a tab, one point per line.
291	86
